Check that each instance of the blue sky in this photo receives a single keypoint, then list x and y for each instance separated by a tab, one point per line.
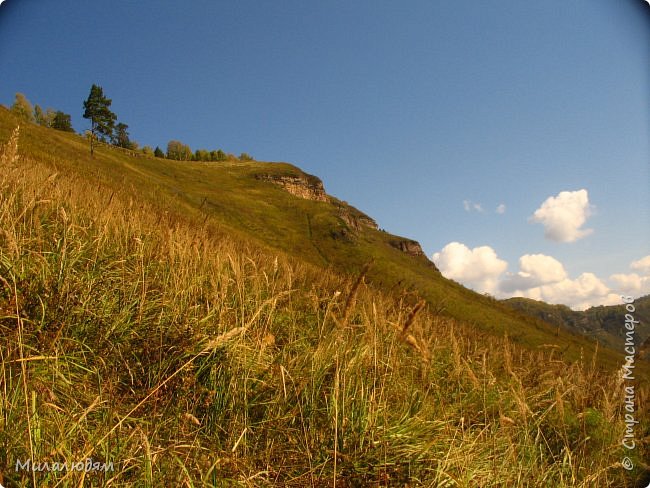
419	113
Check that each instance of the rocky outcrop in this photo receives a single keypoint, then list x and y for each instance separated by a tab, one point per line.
356	220
310	187
408	246
307	186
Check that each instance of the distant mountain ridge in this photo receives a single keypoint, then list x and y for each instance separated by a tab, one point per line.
603	323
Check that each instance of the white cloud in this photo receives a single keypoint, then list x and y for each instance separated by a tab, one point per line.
642	265
468	205
539	277
563	215
501	208
631	284
634	284
535	270
587	290
544	278
477	268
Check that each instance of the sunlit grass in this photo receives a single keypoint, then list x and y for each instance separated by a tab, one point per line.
228	196
187	355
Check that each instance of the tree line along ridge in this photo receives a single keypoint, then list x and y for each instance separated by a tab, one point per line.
106	130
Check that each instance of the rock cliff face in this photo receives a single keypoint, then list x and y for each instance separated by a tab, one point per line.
356	219
310	187
408	246
307	186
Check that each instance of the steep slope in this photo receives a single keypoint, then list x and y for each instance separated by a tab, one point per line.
140	330
282	207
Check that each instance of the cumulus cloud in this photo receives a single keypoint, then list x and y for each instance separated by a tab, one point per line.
634	284
587	290
539	277
501	208
642	265
478	268
544	278
631	284
563	215
535	270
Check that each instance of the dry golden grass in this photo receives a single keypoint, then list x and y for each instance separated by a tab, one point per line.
188	357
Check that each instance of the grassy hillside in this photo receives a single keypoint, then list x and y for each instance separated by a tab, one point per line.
230	196
176	320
